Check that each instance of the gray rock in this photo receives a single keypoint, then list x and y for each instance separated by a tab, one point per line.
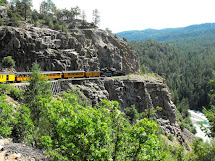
88	49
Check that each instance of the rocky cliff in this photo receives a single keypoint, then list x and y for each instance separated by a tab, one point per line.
87	49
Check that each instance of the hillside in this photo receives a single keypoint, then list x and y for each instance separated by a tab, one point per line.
202	35
186	73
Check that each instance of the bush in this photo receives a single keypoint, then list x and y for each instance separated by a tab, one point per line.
132	113
23	127
8	62
75	132
7	119
11	91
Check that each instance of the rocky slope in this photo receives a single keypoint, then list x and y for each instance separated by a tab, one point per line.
87	49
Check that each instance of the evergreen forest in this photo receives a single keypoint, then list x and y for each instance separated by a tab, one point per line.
184	57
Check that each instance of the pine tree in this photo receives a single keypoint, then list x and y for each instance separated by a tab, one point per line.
37	93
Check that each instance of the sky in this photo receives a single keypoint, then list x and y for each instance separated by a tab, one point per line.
124	15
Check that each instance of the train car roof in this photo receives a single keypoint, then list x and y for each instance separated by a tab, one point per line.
23	72
6	73
74	71
51	72
93	72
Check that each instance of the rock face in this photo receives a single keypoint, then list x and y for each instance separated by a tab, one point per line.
87	49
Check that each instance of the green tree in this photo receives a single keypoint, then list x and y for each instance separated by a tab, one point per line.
96	17
47	7
37	93
27	7
210	113
83	17
76	11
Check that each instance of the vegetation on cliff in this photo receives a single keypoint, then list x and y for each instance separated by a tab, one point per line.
70	129
20	11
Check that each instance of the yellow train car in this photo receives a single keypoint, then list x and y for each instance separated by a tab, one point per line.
11	77
7	77
22	76
52	75
3	77
73	74
92	74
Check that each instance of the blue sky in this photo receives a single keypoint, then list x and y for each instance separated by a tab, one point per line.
123	15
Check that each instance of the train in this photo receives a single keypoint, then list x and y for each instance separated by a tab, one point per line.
8	77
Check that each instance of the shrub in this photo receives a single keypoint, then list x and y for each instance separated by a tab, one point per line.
8	62
132	113
23	127
11	91
6	117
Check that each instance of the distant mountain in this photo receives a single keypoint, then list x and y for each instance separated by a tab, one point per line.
170	34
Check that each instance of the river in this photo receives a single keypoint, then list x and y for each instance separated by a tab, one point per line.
196	117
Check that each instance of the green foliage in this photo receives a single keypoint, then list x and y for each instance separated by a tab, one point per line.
6	117
8	62
86	133
23	127
184	118
174	152
96	17
150	112
37	93
210	113
186	72
57	26
143	141
11	91
194	35
34	16
132	113
204	151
